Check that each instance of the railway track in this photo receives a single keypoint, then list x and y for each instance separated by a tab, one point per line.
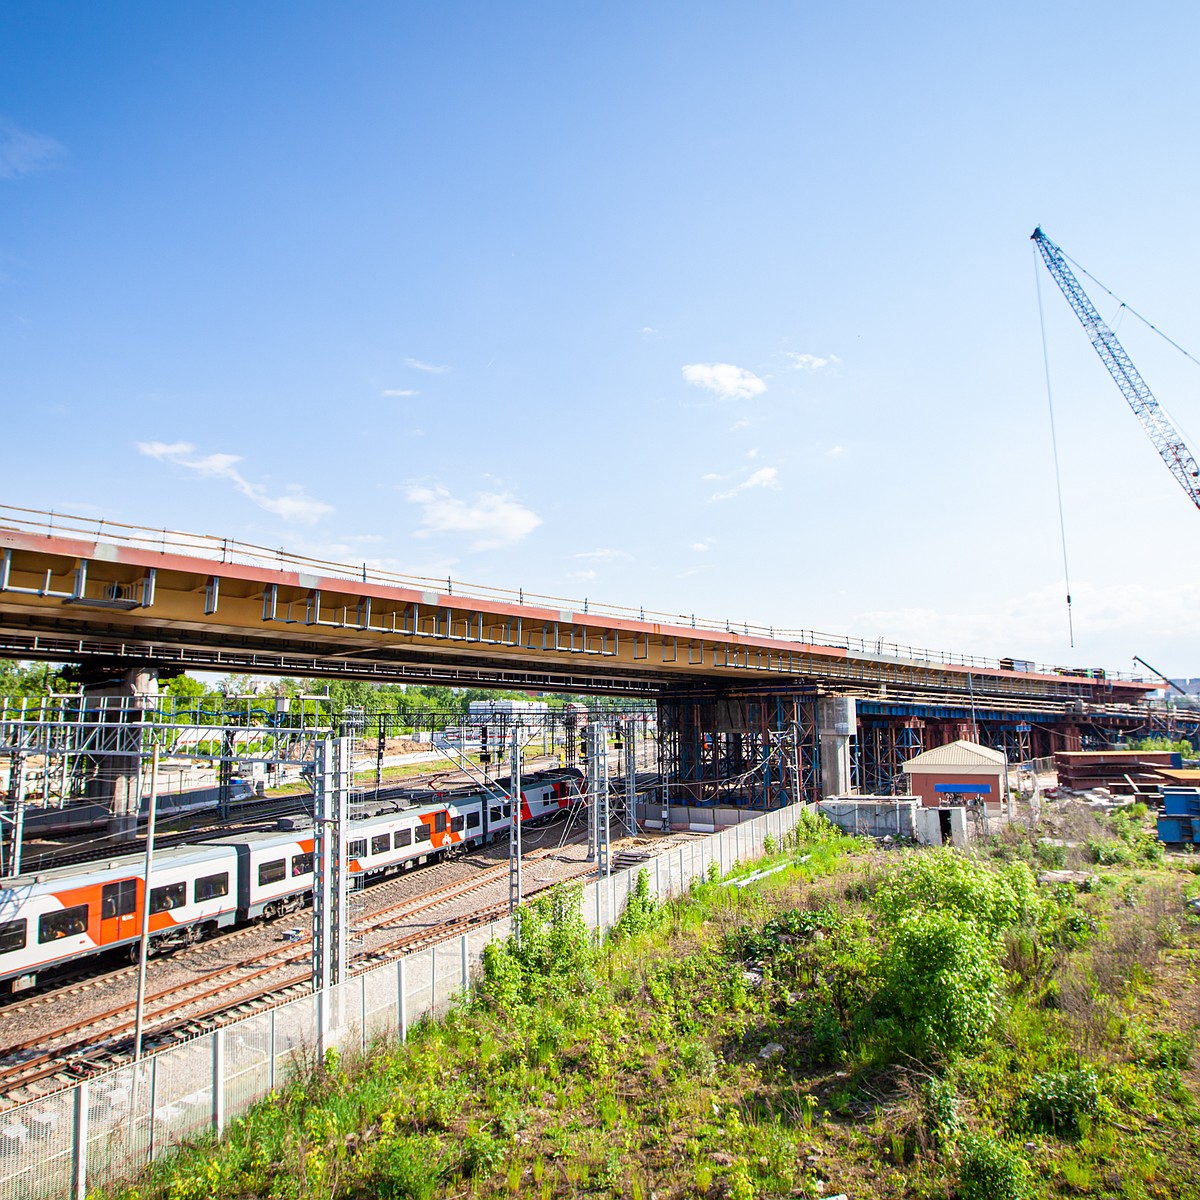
66	1052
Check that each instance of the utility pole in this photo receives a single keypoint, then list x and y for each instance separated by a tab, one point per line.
515	894
331	786
597	769
144	947
15	817
631	777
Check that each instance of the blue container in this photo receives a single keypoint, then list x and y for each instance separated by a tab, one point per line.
1171	830
1181	802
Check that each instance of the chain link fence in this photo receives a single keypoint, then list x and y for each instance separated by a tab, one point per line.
105	1129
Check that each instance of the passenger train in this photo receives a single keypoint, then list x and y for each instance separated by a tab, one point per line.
56	917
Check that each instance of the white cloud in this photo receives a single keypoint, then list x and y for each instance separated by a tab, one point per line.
764	477
24	153
399	392
494	519
430	368
811	362
700	547
291	505
753	453
726	380
604	554
835	451
742	424
712	476
582	576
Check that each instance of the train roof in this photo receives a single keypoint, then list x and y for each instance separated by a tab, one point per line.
118	867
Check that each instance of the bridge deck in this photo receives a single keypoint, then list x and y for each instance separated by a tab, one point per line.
139	595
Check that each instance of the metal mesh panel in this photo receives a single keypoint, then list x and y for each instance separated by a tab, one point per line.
119	1123
382	1016
447	957
476	941
247	1067
183	1092
419	986
37	1149
295	1035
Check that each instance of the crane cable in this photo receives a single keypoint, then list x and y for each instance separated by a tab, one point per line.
1129	308
1062	526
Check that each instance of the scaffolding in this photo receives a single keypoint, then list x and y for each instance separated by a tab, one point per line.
755	749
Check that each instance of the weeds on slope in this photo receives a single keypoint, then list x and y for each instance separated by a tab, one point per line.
902	1024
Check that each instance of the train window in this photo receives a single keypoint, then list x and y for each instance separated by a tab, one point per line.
209	887
271	872
67	922
403	838
118	899
456	824
167	897
302	864
423	834
472	820
495	814
12	936
381	844
439	822
357	848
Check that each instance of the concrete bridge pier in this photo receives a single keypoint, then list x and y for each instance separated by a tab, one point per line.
837	723
119	702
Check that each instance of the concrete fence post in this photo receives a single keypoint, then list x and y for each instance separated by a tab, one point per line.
271	1034
433	999
362	1009
218	1081
153	1106
658	877
322	1012
79	1149
466	965
402	999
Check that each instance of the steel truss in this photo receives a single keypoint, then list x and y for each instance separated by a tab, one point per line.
758	749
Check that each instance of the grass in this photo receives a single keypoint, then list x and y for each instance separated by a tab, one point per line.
892	1024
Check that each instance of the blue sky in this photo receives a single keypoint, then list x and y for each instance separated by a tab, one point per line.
714	308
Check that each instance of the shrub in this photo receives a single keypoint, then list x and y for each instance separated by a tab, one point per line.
1166	1051
1055	1101
549	954
643	912
991	1170
942	880
943	978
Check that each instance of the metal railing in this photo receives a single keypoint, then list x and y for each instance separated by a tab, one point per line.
105	1129
230	550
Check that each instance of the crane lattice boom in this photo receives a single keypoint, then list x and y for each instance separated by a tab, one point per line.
1170	445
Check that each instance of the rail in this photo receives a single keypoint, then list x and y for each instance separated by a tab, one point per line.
233	551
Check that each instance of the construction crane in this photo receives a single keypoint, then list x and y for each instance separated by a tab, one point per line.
1166	438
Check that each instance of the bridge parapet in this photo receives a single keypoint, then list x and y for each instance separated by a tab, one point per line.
72	588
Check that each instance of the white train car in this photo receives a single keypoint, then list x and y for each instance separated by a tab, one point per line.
58	916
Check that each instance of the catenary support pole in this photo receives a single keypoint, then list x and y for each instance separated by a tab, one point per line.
144	947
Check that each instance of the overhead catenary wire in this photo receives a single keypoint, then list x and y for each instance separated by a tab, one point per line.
1062	525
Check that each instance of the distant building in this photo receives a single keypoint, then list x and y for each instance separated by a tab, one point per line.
482	712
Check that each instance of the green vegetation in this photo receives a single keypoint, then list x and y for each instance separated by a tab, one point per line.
891	1024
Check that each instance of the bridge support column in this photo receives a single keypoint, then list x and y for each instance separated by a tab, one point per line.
837	723
119	703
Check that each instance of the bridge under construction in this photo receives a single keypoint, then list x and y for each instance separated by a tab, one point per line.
128	604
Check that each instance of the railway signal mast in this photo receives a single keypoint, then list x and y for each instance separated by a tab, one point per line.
1166	438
